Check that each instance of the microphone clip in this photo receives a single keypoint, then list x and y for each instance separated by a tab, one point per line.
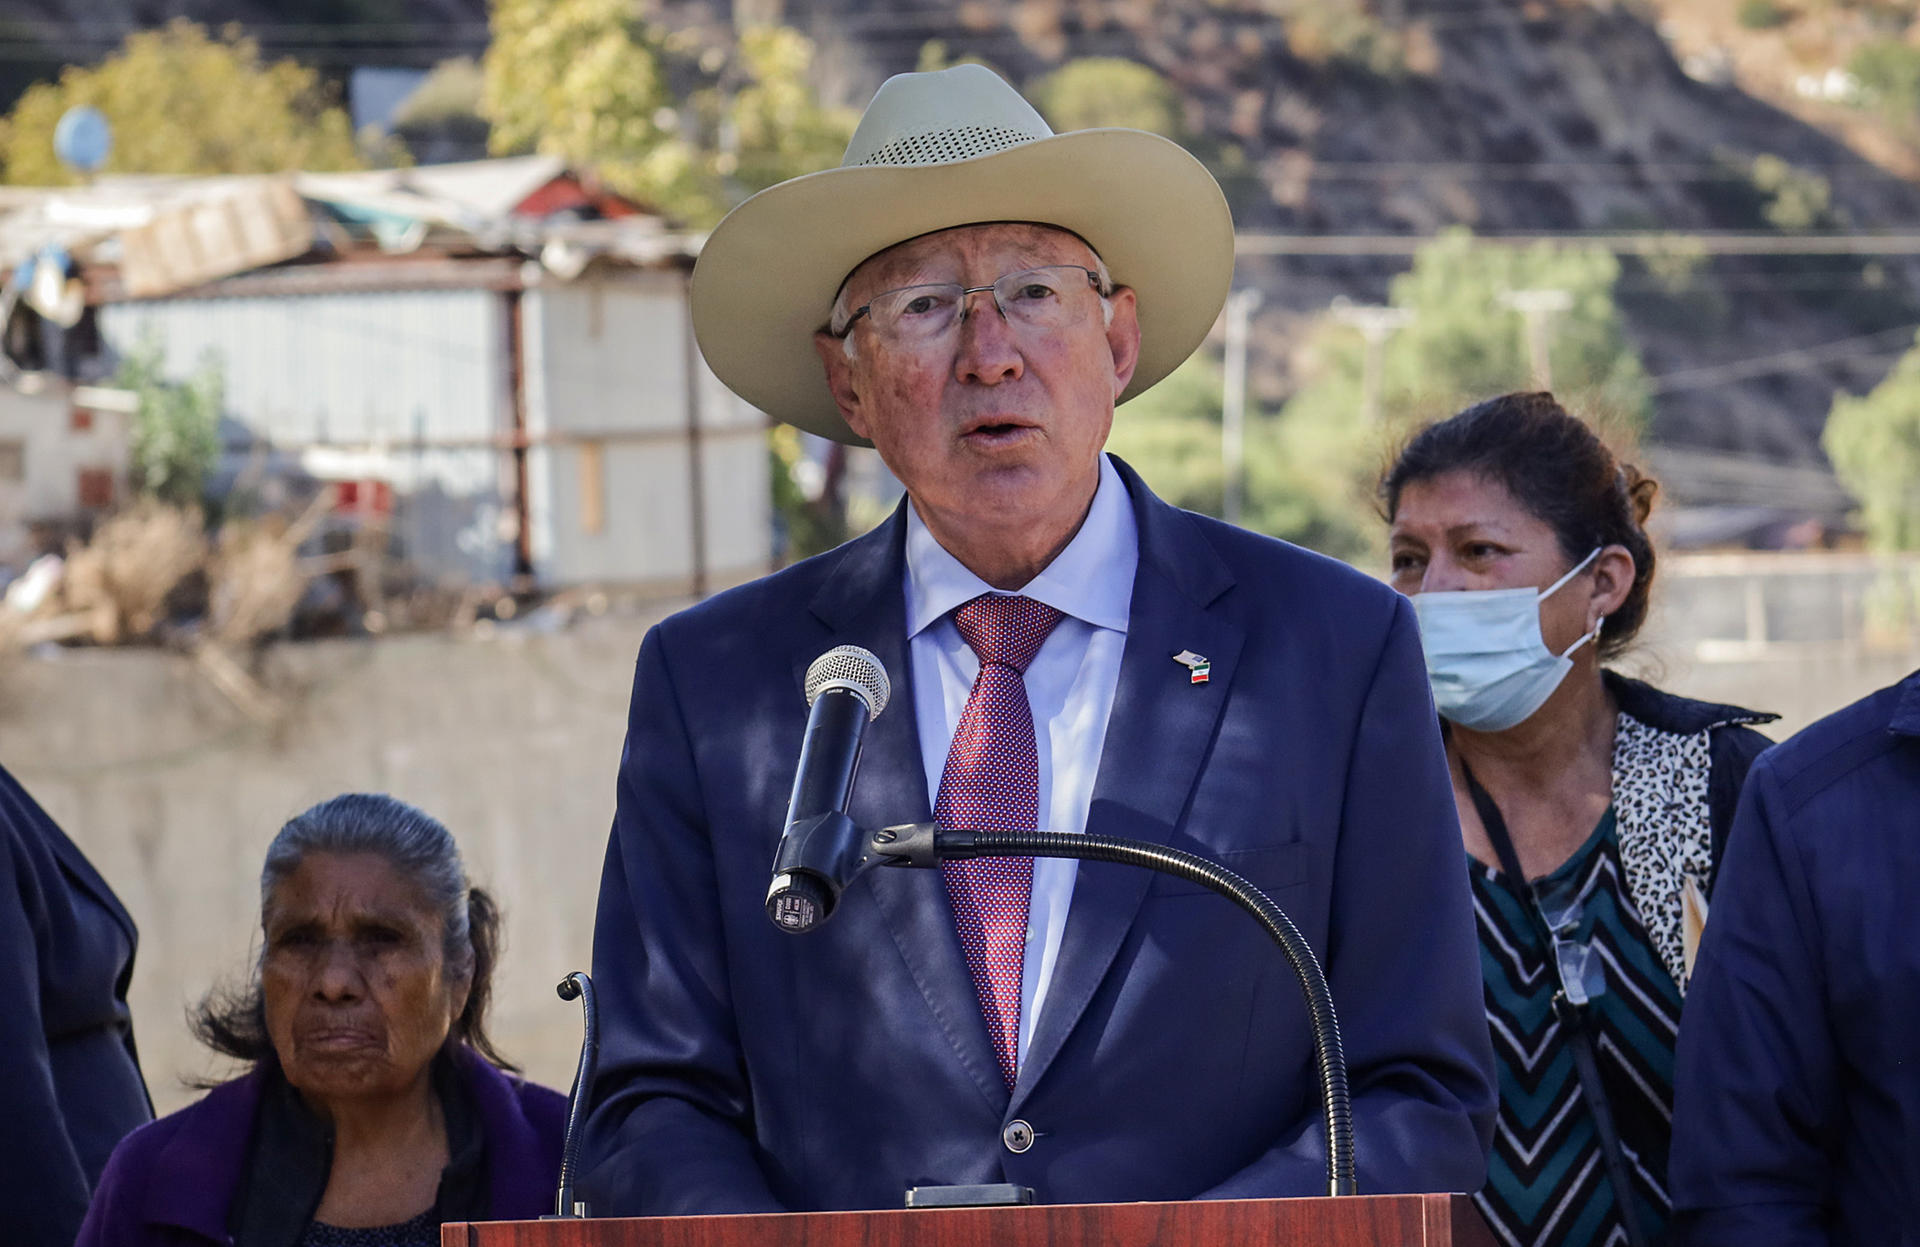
836	850
818	858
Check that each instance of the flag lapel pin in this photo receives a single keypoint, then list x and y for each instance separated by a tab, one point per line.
1198	668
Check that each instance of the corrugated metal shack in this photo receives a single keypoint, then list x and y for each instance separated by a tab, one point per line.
493	361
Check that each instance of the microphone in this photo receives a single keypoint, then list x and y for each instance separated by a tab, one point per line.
566	1206
821	849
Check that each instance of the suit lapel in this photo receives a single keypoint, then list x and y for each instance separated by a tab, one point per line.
864	604
1159	732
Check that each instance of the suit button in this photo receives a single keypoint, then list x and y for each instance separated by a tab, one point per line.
1018	1136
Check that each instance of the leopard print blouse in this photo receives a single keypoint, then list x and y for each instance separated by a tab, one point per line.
1666	837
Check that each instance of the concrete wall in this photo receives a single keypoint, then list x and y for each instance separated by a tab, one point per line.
513	741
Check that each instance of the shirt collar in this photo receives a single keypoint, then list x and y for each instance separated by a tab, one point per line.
1091	580
1906	711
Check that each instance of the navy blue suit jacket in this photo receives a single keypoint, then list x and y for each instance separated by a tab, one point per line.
744	1069
70	1085
1796	1096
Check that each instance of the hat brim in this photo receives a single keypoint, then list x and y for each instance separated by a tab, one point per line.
769	272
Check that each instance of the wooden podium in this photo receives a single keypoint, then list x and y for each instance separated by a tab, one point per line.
1353	1221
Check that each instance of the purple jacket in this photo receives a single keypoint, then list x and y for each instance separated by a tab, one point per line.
171	1182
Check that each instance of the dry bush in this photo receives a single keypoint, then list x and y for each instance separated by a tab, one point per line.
255	580
136	559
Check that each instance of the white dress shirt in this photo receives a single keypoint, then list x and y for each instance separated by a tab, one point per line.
1070	686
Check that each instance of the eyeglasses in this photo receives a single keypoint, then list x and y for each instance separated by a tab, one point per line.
1046	298
1582	973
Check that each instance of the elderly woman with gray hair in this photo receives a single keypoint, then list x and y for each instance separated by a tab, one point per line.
376	1107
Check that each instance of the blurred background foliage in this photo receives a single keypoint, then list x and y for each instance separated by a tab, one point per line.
176	427
1874	442
183	101
690	131
1311	464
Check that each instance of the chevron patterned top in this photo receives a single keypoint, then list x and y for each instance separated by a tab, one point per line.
1547	1180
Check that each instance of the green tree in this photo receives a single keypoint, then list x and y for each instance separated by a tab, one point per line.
1171	435
176	428
1761	14
180	101
1888	71
689	131
1298	484
1796	199
585	80
1108	91
1874	443
779	128
1462	343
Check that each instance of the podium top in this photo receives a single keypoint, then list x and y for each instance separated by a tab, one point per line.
1351	1221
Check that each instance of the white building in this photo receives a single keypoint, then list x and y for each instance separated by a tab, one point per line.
63	457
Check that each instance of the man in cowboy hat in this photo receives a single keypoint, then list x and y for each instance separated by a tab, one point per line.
973	294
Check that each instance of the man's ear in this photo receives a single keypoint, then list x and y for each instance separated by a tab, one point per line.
833	357
1123	336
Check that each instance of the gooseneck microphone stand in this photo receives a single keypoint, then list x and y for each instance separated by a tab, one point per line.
925	845
577	986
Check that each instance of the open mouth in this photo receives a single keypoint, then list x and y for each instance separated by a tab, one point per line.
997	432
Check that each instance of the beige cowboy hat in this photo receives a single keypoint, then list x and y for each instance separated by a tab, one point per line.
935	151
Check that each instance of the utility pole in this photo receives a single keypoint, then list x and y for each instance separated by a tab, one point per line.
1376	324
1233	403
1537	309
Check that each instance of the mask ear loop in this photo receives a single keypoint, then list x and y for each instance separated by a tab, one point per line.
1575	570
1554	588
1593	636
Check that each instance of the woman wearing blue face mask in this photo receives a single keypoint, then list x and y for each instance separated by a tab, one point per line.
1593	807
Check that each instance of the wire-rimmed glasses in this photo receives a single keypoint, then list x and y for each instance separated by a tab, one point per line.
1582	973
1053	296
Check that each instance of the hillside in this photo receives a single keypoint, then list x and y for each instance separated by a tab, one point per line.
1504	116
38	36
1399	117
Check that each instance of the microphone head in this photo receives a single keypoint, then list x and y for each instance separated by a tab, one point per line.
851	668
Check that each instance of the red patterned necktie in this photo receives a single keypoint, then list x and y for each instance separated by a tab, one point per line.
992	783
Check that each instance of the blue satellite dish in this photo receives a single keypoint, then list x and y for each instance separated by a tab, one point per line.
82	139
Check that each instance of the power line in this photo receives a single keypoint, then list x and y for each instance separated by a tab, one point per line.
1577	170
1754	283
17	30
1797	359
1500	13
1644	243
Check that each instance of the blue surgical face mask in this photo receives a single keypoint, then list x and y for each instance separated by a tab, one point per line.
1488	664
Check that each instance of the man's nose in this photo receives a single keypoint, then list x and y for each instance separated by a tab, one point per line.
988	352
